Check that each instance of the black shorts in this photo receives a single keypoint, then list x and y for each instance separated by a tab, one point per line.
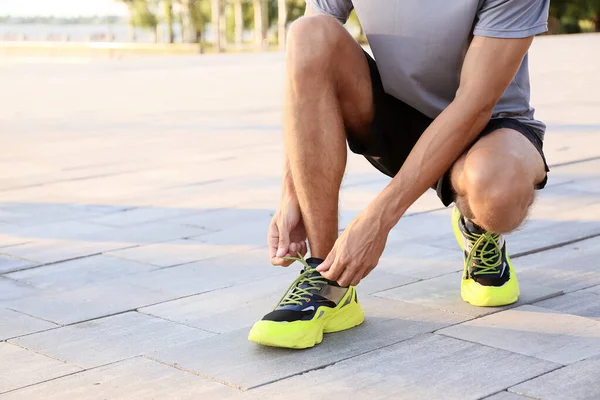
396	127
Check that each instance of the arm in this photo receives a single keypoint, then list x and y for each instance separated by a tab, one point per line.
489	67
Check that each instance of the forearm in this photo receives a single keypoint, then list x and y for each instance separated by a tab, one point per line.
435	152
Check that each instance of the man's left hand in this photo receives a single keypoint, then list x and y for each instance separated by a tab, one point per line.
357	251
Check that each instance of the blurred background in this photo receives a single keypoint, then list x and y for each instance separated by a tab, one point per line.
200	25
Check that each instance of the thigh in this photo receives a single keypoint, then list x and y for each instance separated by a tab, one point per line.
328	59
351	76
394	130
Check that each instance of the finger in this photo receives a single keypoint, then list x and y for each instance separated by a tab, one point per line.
346	277
273	239
281	262
293	248
327	263
368	271
284	242
304	249
300	248
335	271
356	280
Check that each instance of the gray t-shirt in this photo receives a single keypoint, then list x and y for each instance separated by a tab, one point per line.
420	46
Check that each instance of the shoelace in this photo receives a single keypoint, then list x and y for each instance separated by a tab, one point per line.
295	294
485	253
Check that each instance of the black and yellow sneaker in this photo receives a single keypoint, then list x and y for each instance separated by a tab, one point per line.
489	279
311	306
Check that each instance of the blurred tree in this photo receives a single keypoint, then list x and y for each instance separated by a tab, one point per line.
201	13
281	22
168	5
569	13
238	22
131	8
594	9
215	7
141	16
261	22
188	27
295	9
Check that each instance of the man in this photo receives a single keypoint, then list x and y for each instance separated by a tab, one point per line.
444	104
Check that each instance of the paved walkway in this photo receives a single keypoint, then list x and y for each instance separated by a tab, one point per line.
134	201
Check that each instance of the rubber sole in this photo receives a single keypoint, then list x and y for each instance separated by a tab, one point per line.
305	334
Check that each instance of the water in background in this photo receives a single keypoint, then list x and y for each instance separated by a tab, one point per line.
77	33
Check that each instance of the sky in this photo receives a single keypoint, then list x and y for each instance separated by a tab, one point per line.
61	8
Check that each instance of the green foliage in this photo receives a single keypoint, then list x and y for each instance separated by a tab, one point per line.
200	13
570	13
142	16
295	9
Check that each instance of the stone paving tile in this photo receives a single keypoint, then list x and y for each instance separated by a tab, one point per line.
21	367
584	304
230	358
227	309
10	264
61	230
177	252
8	239
506	396
577	381
568	268
535	235
420	262
32	214
226	218
140	216
106	340
50	250
80	272
249	235
534	331
13	324
443	293
593	289
425	367
211	274
11	290
136	378
379	280
71	239
151	232
112	297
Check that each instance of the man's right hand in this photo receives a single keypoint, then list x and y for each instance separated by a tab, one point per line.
287	235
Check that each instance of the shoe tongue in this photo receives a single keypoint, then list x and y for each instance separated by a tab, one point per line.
314	262
476	230
473	228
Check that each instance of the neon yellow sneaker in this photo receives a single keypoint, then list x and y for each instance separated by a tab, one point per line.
311	306
489	279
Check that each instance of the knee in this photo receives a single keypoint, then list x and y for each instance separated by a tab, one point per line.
498	192
311	45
